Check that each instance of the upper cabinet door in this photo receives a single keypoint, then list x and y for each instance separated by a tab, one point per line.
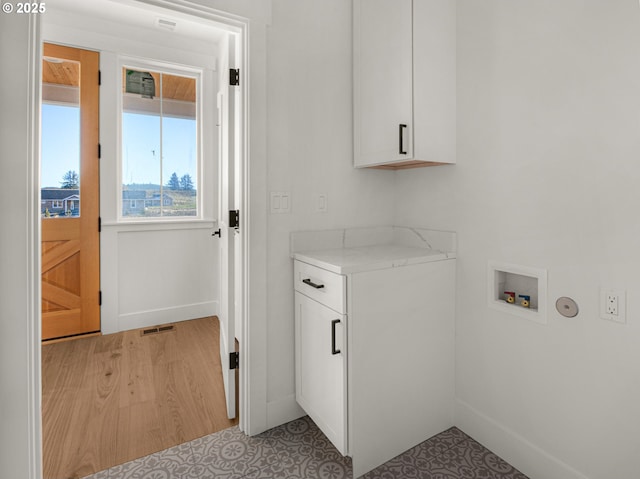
404	83
434	80
383	99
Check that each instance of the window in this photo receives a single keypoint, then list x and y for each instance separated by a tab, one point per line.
160	143
60	143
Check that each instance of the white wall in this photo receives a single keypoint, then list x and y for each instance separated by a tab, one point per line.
547	176
310	152
150	273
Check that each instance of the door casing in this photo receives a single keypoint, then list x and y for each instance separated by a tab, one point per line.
253	402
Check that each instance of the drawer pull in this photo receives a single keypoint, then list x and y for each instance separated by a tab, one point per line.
333	337
312	284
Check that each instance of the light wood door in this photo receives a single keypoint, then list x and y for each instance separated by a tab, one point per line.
70	234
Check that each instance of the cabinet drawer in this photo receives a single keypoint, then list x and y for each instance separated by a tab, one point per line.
321	285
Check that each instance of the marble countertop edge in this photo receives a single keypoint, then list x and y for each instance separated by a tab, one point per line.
357	260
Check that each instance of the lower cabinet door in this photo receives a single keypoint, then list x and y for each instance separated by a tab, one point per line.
321	364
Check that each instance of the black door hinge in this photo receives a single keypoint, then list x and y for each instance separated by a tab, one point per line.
99	224
234	219
234	76
99	298
234	360
99	77
99	151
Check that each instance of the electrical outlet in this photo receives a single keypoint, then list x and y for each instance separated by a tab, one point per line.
612	305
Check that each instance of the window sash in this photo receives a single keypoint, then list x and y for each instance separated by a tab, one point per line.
156	205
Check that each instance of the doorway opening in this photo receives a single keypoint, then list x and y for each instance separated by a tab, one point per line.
126	245
69	192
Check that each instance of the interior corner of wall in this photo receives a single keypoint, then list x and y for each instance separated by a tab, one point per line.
283	410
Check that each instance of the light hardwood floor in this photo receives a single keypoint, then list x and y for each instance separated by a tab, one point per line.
109	399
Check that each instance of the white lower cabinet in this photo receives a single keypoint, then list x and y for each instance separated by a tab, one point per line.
321	368
377	376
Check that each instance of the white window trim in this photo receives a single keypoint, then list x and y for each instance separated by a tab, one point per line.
127	61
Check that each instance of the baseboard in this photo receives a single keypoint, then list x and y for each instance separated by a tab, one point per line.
513	448
283	410
153	317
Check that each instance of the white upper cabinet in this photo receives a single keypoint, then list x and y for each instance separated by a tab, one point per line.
383	99
404	83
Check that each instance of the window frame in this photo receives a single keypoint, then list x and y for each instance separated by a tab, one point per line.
140	64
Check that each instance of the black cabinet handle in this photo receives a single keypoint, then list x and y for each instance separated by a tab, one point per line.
401	136
312	284
333	337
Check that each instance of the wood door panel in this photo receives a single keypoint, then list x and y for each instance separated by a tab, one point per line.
57	324
61	297
71	245
57	253
63	229
48	307
65	274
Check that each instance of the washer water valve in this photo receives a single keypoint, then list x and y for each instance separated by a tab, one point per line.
511	296
526	300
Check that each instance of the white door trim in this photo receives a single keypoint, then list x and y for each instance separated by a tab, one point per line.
34	286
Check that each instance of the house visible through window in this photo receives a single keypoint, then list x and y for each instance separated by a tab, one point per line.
160	143
60	142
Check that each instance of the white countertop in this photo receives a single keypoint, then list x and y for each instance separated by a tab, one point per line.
368	258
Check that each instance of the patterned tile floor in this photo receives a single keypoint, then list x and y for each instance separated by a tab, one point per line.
298	450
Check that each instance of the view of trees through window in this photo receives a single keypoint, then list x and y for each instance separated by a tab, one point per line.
60	166
159	145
